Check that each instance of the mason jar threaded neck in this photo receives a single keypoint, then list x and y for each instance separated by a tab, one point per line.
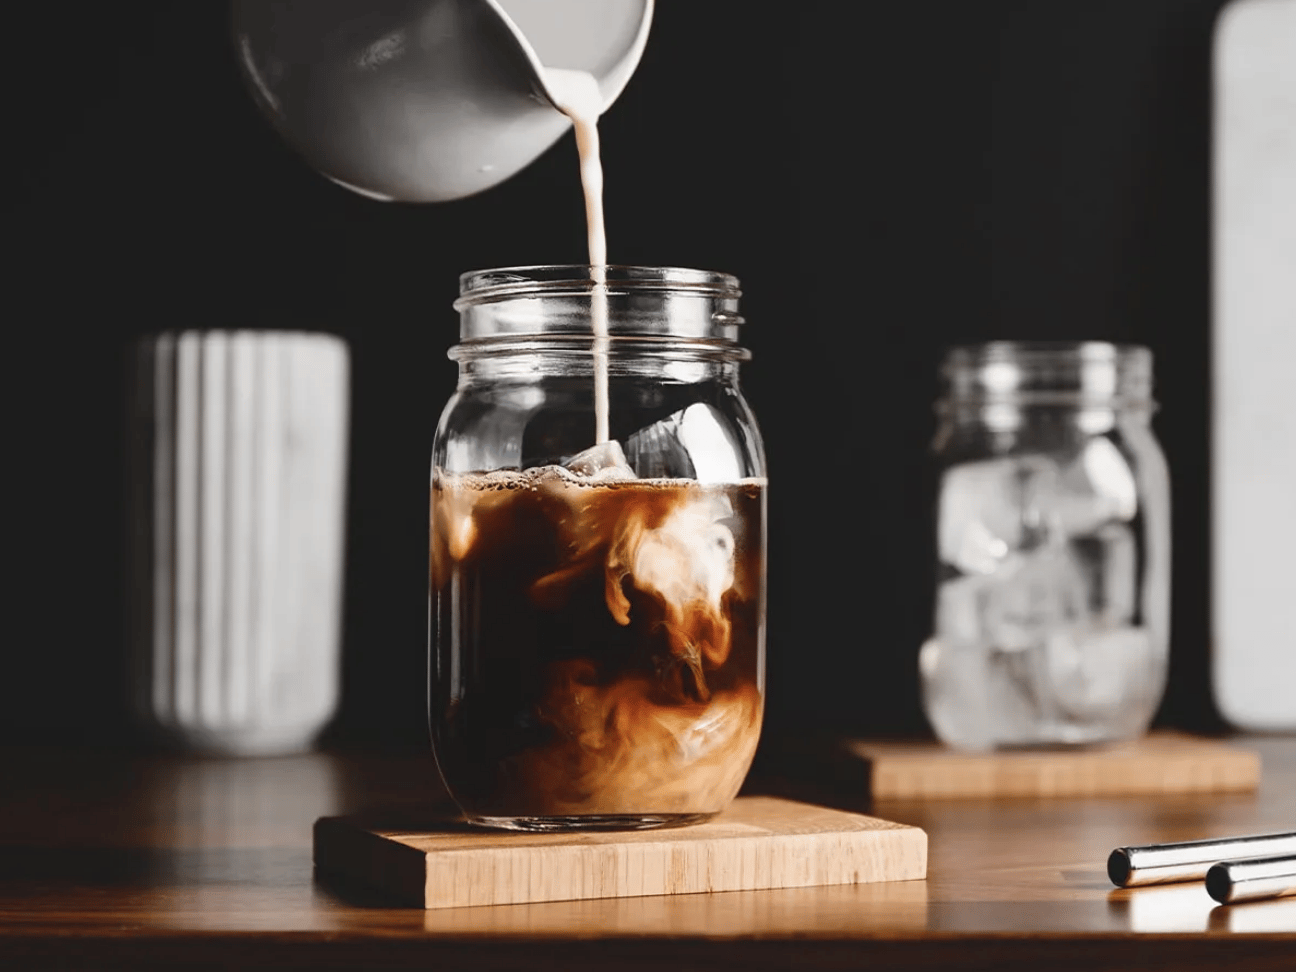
505	305
1077	373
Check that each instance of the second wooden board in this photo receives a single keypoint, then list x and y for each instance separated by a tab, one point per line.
1162	763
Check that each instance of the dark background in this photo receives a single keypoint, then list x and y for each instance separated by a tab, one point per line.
885	178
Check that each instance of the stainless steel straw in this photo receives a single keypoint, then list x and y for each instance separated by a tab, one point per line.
1129	867
1251	880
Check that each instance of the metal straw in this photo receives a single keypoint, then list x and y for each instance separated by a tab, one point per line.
1130	867
1251	880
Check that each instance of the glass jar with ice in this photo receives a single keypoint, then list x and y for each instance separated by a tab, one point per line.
1051	622
597	552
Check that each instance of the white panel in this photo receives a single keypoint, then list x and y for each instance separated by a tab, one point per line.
1254	365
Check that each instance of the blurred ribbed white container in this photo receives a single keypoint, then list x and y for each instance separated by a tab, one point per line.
238	494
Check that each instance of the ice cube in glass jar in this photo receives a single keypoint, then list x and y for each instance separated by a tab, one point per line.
693	443
601	462
1093	671
986	671
988	510
1097	487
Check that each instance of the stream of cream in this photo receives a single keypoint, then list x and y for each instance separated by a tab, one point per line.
576	94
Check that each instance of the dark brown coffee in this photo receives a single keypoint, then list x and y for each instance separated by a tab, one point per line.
597	644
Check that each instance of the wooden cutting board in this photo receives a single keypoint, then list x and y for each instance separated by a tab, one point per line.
1161	763
759	843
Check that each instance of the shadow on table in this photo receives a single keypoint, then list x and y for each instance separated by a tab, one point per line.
126	867
811	769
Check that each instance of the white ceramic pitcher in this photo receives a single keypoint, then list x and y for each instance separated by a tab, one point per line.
428	100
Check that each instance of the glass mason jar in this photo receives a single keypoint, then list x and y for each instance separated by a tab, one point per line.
1053	548
597	655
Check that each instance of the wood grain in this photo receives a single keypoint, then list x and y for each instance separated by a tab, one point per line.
759	843
1162	763
121	860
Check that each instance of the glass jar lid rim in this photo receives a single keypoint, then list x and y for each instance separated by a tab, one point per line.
502	283
1094	351
1048	371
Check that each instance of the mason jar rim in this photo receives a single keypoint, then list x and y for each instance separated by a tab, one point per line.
1040	372
1084	350
505	283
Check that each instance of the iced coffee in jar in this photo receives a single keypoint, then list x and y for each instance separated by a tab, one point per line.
1052	607
597	561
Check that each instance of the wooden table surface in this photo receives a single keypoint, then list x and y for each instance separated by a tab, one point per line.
116	859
